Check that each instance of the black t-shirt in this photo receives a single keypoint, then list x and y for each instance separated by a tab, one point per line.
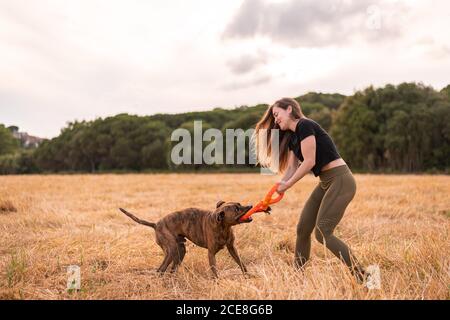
325	148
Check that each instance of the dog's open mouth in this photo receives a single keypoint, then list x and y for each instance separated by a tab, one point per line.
249	219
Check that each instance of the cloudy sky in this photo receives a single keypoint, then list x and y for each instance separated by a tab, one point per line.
67	60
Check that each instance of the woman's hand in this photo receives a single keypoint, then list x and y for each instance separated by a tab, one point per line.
282	186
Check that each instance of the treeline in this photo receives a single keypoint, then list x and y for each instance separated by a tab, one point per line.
402	128
395	128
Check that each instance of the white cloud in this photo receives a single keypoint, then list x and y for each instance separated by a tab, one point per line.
67	60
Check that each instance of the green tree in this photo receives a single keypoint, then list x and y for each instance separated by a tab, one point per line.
446	91
402	127
8	144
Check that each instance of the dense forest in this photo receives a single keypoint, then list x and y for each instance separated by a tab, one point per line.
404	128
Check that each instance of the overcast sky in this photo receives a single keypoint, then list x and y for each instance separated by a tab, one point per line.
67	60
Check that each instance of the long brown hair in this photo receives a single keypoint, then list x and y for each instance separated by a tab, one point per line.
263	138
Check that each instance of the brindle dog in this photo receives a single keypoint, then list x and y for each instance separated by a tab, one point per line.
207	229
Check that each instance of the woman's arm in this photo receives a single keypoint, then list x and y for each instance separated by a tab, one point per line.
309	160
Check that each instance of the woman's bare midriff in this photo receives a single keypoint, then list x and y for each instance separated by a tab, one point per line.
335	163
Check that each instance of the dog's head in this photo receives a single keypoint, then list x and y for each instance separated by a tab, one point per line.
230	213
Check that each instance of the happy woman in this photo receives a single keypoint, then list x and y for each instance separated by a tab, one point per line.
302	140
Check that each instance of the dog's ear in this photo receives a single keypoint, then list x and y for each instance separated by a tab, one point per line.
218	204
220	216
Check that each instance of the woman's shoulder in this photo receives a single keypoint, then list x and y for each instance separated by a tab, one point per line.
306	127
305	119
305	124
308	122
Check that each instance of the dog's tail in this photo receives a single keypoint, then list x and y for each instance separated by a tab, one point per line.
145	223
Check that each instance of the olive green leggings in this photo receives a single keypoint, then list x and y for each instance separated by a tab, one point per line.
323	211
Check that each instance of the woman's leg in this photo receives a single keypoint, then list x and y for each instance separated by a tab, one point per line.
306	225
336	199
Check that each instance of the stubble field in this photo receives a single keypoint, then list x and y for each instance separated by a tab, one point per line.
48	222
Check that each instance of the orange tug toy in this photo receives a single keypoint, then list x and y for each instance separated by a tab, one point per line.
263	205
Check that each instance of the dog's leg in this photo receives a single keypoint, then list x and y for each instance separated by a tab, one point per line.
163	239
167	260
178	256
212	262
182	251
181	247
233	252
169	241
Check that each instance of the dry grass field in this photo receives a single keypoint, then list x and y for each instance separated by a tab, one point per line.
48	222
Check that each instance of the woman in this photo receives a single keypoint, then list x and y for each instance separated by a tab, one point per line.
302	139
